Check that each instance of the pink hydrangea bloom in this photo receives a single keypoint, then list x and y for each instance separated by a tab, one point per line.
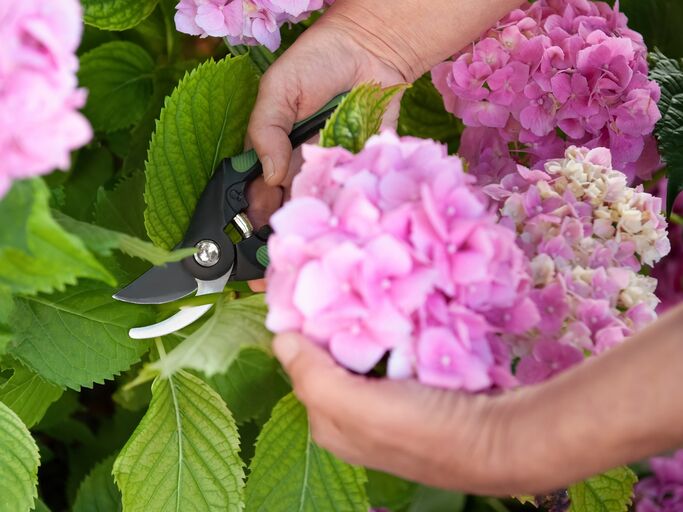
554	65
393	252
39	121
251	22
662	492
587	234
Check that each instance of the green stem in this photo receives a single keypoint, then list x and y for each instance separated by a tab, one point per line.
655	178
259	55
160	347
676	219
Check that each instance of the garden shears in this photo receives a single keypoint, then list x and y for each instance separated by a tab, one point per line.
218	259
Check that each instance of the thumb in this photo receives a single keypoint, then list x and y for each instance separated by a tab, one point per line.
299	355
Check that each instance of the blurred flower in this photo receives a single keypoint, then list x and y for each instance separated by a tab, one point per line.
662	492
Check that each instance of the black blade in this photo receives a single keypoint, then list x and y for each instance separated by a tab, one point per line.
159	285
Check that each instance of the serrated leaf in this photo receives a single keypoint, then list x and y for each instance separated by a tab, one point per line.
289	472
358	116
15	210
116	14
55	258
184	455
423	115
214	346
610	492
93	168
18	464
78	337
118	76
97	492
202	122
27	394
388	491
122	208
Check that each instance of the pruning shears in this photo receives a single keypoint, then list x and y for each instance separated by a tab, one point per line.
218	259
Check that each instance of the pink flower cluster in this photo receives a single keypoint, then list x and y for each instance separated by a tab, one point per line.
587	235
553	74
251	22
39	121
662	492
393	252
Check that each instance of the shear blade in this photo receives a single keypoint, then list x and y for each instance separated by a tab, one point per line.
159	285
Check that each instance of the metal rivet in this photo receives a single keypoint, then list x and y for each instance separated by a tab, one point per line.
208	253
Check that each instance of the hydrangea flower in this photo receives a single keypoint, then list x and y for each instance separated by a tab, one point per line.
251	22
587	234
393	252
554	66
662	492
39	121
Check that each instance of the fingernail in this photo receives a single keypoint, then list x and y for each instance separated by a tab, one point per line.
286	347
268	168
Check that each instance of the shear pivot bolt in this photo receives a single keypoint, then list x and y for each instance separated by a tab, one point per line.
208	253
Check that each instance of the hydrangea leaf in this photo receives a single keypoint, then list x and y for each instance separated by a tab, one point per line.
122	208
429	499
609	492
78	337
40	506
19	461
27	394
97	492
203	122
116	14
358	116
289	472
669	75
388	491
184	455
659	21
214	346
54	259
252	385
118	76
93	168
423	115
15	210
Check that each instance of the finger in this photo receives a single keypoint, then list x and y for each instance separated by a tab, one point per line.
263	201
257	285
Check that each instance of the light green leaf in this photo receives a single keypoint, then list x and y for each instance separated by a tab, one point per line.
184	455
610	492
118	76
388	491
214	346
102	241
15	210
93	168
55	258
122	208
203	122
289	472
27	394
19	461
78	337
358	117
423	115
97	492
117	14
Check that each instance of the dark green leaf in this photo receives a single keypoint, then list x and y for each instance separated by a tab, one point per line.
428	499
15	210
659	21
117	14
93	168
388	491
97	492
122	208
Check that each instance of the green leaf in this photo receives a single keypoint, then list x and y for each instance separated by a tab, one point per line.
203	122
358	116
122	208
252	385
18	464
54	259
117	14
40	506
429	499
77	337
15	210
289	472
27	394
214	346
97	492
659	21
610	492
184	455
388	491
423	115
93	168
102	241
118	76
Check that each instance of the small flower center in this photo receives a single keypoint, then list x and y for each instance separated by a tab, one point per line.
386	284
445	360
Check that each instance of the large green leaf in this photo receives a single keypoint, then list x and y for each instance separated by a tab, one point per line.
77	337
388	491
203	121
358	117
93	168
97	492
289	472
27	394
609	492
18	464
54	259
117	14
15	210
184	455
659	21
122	208
118	76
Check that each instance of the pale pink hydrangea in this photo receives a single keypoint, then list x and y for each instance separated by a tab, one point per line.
569	67
39	121
392	252
250	22
587	235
